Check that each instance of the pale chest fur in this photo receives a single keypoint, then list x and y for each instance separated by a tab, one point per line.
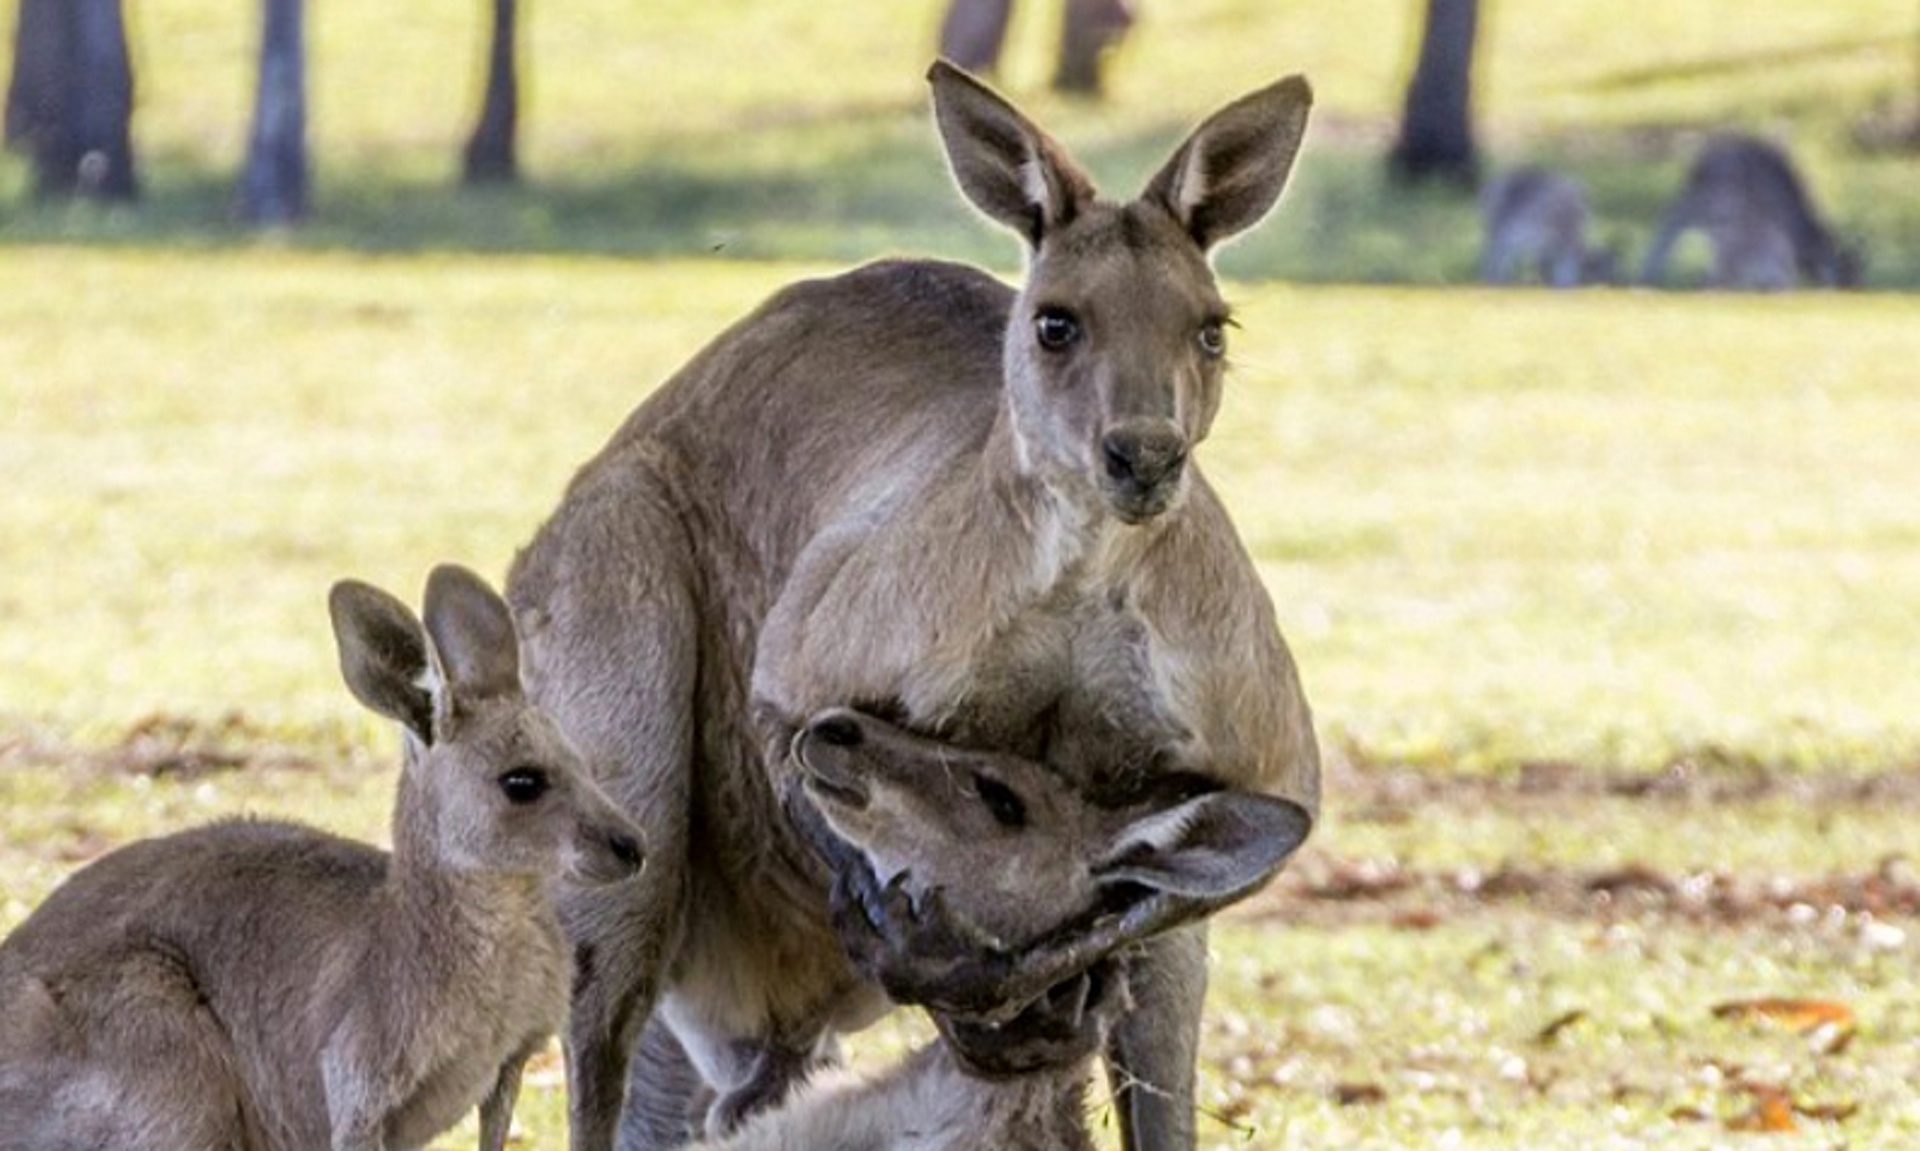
1071	671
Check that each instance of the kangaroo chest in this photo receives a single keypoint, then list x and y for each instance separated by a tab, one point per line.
1080	680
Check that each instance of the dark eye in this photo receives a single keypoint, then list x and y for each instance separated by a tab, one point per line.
1056	329
1001	800
1213	339
524	784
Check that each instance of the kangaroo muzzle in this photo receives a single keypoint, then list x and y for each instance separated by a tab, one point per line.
1142	465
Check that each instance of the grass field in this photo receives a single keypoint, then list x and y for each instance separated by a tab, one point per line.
1607	603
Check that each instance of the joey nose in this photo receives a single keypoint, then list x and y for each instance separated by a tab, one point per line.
626	849
1144	458
837	730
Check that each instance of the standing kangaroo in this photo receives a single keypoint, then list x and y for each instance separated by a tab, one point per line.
1014	854
1536	221
263	986
1743	192
913	490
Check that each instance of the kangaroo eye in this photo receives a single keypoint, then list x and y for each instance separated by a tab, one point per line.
1056	328
1213	339
524	785
1002	801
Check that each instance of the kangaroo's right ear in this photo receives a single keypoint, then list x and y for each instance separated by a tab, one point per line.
1229	172
1217	848
1007	166
383	654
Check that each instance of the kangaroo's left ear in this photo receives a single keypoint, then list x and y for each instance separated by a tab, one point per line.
1230	171
1218	847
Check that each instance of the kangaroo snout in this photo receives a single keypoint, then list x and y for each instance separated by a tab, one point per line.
824	749
1143	466
606	853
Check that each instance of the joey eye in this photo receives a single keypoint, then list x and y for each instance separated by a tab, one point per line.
1002	801
1213	339
1056	328
524	785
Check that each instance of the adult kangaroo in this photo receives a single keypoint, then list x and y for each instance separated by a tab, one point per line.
1745	194
915	491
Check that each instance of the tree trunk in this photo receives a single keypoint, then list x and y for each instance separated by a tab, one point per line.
1436	131
491	156
273	188
974	32
1088	29
70	104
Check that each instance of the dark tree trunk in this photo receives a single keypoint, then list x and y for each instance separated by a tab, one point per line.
1436	131
491	156
974	32
273	188
1088	29
70	105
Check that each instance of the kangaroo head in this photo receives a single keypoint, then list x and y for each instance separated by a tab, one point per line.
490	784
1015	851
1117	343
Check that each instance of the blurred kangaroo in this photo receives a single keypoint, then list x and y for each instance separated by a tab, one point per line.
1014	854
1744	193
264	986
1536	221
972	510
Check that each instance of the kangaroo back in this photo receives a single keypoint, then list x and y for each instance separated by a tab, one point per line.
1748	198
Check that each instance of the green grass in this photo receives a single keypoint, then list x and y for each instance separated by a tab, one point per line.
792	129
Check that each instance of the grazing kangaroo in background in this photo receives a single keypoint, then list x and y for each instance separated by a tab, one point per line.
1014	854
263	986
1536	221
913	490
1744	194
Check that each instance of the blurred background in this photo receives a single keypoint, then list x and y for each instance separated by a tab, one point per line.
1607	600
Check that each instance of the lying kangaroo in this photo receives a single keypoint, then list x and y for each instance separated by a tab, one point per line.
260	985
1536	222
913	490
1014	854
1744	194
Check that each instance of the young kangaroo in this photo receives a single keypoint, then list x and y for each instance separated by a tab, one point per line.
915	490
1013	854
1536	221
1744	193
263	986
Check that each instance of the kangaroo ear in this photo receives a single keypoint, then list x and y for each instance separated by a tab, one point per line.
472	638
383	654
1009	168
1218	847
1231	169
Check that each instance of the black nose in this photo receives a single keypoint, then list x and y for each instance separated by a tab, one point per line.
625	848
838	731
1148	461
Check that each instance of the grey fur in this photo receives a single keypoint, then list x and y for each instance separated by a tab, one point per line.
263	986
880	490
920	813
1746	195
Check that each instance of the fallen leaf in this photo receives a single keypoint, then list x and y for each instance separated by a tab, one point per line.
1772	1111
1561	1022
1799	1014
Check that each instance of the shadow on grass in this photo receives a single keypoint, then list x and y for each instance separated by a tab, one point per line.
872	183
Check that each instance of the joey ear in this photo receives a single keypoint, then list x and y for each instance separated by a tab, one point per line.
1218	847
471	632
383	654
1005	165
1229	172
